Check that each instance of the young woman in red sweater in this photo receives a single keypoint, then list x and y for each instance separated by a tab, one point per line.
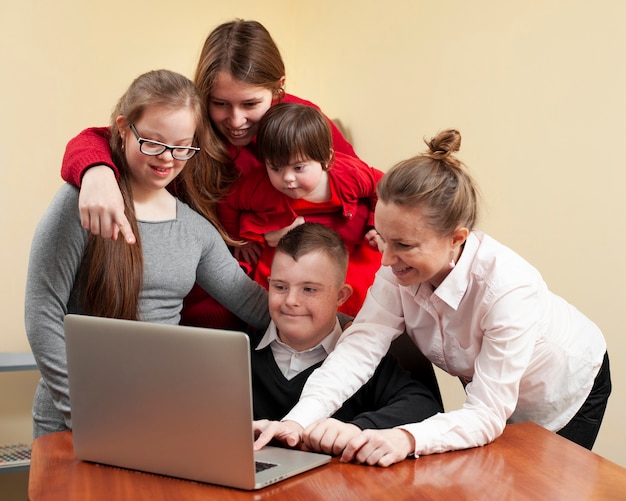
240	75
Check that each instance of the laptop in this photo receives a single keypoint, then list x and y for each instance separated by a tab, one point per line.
171	400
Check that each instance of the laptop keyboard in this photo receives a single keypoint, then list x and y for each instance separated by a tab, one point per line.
262	466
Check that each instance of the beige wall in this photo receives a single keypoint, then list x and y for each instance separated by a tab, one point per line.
536	88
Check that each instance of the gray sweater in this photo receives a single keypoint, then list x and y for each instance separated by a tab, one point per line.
177	253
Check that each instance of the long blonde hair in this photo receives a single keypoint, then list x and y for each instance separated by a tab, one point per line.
111	274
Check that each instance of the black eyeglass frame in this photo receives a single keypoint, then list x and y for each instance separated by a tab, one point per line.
166	147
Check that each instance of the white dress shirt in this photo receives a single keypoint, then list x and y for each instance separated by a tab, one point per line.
525	353
291	362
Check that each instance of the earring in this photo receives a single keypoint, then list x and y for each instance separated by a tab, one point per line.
452	263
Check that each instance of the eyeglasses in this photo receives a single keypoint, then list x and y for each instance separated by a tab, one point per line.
154	148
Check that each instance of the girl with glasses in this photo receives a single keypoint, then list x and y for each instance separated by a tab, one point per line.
157	127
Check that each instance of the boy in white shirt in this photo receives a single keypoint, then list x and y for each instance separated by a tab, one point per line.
306	286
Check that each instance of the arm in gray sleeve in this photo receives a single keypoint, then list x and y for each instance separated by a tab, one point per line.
55	257
221	276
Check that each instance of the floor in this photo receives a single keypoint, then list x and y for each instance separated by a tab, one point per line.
14	486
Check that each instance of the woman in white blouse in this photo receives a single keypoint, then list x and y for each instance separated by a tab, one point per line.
475	308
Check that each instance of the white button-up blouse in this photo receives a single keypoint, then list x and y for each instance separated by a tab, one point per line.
524	353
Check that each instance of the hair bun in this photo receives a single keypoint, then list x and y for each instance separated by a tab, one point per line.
445	143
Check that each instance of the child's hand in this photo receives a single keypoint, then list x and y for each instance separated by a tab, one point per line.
272	237
248	253
374	240
288	432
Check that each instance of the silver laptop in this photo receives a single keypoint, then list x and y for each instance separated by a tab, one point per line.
171	400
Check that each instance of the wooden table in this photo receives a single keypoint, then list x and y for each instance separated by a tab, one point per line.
526	462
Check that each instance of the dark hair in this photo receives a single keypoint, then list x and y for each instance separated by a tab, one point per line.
111	274
291	131
315	237
437	182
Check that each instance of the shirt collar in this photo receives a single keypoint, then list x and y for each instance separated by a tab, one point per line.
328	343
454	286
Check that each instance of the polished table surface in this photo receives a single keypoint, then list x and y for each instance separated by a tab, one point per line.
526	462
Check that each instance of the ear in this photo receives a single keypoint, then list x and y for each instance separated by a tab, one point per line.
345	291
279	94
330	159
121	125
459	236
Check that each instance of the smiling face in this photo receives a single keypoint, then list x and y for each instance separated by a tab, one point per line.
413	250
235	107
172	126
304	296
